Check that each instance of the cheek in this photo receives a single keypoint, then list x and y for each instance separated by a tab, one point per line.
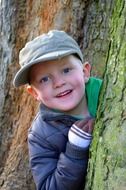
80	86
79	81
45	98
44	95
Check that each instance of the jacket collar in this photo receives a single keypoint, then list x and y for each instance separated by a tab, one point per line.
52	115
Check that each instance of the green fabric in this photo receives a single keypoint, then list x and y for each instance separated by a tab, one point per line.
92	89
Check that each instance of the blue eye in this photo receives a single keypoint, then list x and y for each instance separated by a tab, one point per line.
66	70
44	79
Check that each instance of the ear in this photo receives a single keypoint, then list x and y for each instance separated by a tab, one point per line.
86	70
32	91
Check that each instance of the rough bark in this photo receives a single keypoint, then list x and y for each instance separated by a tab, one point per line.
107	168
21	21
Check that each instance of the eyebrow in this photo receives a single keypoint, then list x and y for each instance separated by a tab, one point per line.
64	62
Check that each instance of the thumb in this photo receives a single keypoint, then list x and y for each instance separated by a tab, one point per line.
91	123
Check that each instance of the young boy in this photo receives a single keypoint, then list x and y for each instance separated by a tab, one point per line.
60	135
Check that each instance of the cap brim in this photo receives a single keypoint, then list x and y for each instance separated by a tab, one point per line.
21	77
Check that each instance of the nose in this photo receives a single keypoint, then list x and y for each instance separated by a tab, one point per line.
58	81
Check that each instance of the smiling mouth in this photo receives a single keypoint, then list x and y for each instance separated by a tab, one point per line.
63	94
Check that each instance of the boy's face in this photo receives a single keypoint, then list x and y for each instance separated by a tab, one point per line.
59	84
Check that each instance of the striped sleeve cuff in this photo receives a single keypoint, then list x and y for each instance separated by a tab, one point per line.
79	137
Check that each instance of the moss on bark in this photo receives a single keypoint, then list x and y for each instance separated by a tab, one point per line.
107	166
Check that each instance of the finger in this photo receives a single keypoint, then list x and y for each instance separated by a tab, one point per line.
86	128
81	123
91	126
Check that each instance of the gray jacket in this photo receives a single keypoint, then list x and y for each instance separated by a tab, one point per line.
55	163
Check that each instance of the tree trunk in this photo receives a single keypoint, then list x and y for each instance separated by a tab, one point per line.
107	168
21	21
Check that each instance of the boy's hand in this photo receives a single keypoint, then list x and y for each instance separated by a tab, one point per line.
80	132
86	125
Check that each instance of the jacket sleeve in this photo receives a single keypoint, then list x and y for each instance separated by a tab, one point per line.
53	170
